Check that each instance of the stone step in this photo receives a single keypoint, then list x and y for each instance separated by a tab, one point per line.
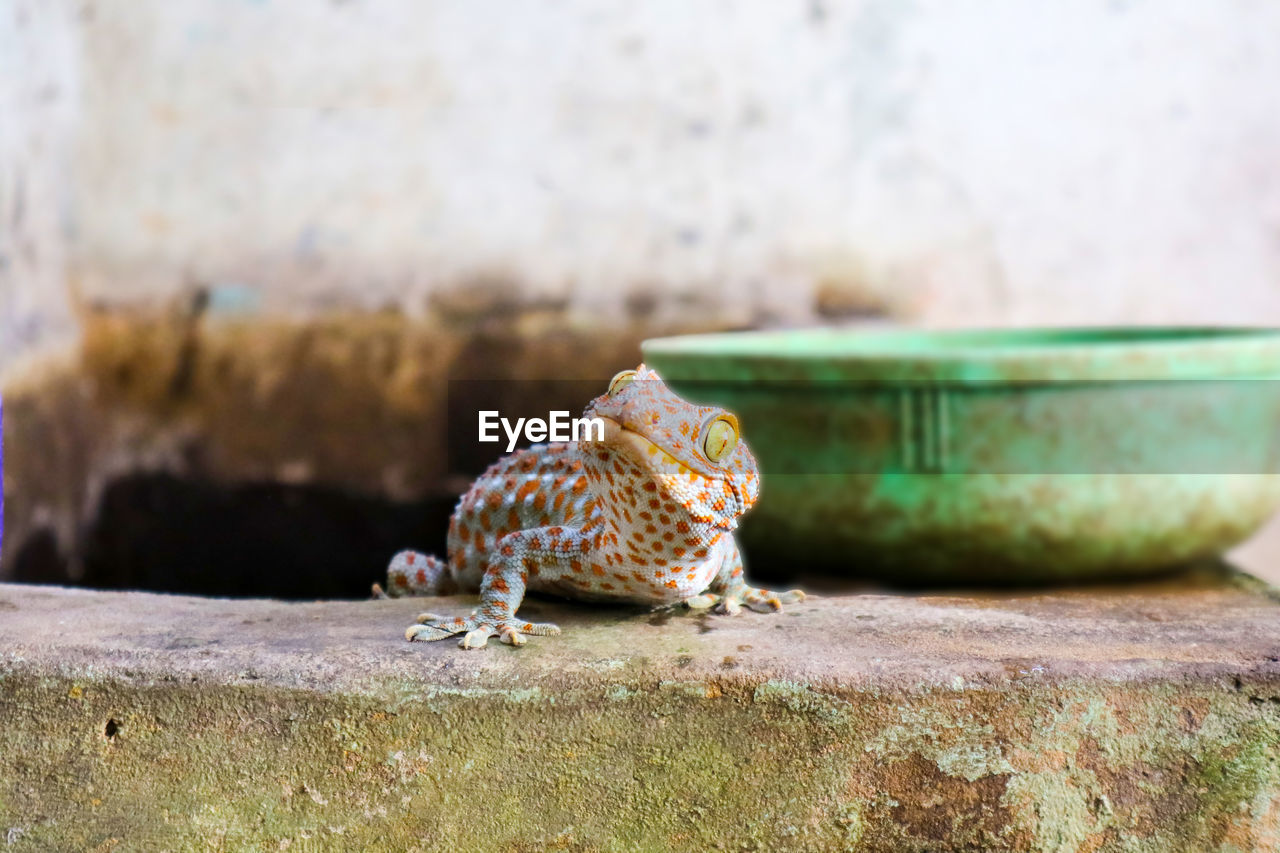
1108	718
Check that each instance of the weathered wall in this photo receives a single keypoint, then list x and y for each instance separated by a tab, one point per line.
40	102
275	183
989	162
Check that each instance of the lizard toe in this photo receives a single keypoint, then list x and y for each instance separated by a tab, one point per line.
477	638
432	627
759	600
703	601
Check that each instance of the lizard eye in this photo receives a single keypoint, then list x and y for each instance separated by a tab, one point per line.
620	381
722	437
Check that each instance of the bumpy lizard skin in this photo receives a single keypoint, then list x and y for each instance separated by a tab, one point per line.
645	515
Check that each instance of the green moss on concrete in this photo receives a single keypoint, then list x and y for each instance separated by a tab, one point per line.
694	765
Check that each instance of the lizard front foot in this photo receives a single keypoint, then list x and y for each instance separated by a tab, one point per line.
733	600
476	630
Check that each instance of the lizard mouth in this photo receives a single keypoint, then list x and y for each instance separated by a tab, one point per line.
652	456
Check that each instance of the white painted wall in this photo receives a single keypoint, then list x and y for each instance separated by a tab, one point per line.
39	109
998	161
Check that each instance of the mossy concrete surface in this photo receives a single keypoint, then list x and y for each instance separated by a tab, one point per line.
1134	718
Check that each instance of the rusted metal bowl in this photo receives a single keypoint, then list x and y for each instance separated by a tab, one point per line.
1002	456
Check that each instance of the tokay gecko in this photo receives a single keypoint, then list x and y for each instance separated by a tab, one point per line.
644	515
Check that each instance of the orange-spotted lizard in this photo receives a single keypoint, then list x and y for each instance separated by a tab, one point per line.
644	515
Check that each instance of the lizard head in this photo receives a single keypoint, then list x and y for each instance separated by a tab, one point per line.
693	455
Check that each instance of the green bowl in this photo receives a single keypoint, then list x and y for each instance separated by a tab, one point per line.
999	456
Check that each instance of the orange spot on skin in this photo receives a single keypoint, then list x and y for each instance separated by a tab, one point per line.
598	569
526	490
579	486
606	585
499	584
463	530
478	540
575	566
540	500
513	520
557	501
422	575
682	526
672	585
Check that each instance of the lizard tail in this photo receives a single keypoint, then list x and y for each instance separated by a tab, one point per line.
414	573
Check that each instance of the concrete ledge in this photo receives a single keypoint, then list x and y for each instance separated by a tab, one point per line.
1125	718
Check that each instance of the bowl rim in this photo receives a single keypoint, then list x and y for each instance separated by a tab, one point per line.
1068	353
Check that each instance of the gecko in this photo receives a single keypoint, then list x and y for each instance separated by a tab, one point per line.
644	514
